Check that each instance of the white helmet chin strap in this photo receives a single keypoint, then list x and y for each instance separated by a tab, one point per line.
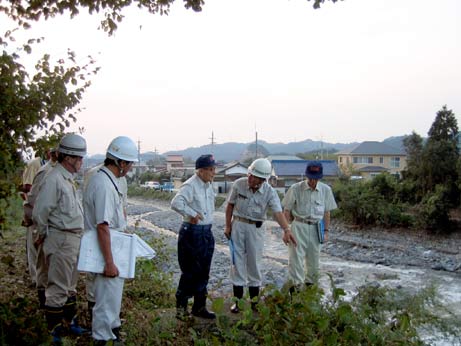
116	161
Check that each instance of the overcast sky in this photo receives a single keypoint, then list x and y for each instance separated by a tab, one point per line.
352	71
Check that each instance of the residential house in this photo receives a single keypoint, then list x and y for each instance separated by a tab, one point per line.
174	161
369	159
288	172
226	175
183	172
137	170
282	157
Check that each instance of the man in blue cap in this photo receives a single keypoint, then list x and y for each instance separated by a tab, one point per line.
195	201
307	204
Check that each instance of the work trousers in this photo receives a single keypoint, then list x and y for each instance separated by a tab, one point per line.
303	260
248	245
31	252
106	312
195	252
90	278
61	251
41	267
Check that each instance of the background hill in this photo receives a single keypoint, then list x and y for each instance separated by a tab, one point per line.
236	151
239	151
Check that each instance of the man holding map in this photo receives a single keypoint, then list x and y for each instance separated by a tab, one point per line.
104	211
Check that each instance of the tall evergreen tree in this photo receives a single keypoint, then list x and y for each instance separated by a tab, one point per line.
440	155
444	127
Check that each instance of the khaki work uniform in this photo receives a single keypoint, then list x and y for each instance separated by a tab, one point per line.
310	206
247	239
37	264
28	178
58	215
31	170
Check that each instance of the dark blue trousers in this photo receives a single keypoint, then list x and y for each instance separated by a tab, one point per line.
195	252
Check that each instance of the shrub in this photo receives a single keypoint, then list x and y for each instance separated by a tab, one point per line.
10	212
374	316
21	323
137	191
371	203
434	210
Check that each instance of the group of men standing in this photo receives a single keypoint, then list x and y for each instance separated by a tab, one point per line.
58	220
306	206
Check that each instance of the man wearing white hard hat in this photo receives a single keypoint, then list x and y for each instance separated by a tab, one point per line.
58	215
247	205
90	277
103	203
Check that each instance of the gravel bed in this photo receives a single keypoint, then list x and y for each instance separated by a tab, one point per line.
374	246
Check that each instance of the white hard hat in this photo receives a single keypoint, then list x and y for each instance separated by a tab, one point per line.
260	168
122	148
72	144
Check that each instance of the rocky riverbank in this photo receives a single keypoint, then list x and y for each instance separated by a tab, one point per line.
351	256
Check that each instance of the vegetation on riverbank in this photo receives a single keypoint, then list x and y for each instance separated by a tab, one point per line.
375	315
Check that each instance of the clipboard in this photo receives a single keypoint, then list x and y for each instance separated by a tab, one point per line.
321	231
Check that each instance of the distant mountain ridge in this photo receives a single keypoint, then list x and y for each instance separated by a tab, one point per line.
233	151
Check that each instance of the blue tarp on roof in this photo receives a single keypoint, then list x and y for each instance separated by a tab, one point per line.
298	167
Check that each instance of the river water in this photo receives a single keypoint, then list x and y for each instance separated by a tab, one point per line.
346	274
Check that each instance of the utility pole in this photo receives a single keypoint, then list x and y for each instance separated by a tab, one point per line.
212	142
321	149
155	155
139	161
256	145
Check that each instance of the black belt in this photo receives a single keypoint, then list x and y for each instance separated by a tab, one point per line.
306	221
196	227
251	222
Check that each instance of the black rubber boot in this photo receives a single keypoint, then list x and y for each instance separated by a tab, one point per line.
254	294
181	309
54	318
118	341
90	310
199	308
293	290
41	298
70	315
238	293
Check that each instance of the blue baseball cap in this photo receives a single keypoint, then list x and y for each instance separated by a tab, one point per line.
205	161
314	170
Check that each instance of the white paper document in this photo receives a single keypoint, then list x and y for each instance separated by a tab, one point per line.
125	249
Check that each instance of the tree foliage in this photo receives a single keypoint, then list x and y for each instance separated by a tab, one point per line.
112	10
440	155
34	105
